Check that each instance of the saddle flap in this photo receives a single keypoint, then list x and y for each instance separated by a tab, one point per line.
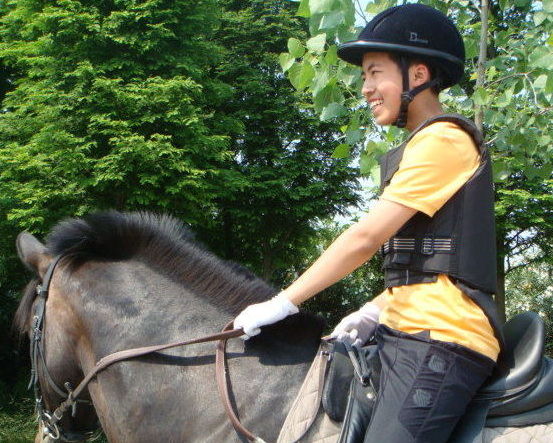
340	373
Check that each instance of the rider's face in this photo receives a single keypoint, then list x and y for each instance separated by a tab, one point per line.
382	86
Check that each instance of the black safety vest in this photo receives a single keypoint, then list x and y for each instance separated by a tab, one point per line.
459	240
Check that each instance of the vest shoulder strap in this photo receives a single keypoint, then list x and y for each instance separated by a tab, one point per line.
389	162
467	125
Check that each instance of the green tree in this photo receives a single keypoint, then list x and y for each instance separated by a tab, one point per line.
281	153
530	288
113	107
165	106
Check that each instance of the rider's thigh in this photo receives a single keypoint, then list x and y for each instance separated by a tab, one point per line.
425	387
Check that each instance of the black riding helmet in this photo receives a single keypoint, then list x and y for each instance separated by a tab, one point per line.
412	30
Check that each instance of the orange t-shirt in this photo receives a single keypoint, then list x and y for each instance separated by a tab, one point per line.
436	163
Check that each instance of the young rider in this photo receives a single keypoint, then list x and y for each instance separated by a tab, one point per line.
435	323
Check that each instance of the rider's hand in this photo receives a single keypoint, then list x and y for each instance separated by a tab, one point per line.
262	314
359	326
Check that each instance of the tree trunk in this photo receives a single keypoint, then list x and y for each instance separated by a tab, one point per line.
500	294
478	120
481	69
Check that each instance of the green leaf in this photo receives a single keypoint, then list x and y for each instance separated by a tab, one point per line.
378	6
505	98
354	136
331	56
303	9
341	151
540	82
300	75
375	148
333	110
471	46
480	97
348	74
542	57
332	20
366	163
548	5
321	6
321	80
286	61
295	47
522	3
539	18
329	94
317	43
549	84
374	173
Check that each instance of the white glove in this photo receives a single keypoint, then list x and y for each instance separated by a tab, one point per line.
359	326
262	314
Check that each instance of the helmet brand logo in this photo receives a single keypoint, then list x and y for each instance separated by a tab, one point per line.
414	37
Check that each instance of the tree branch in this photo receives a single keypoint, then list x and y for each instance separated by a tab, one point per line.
526	263
360	11
510	239
481	67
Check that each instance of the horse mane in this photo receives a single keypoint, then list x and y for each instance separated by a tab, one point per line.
165	244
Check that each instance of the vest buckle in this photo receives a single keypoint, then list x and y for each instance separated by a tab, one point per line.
427	246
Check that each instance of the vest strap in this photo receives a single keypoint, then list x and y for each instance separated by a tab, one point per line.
427	245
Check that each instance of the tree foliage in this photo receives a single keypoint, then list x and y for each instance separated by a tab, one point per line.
286	179
530	289
113	107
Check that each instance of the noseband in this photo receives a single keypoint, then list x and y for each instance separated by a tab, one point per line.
50	420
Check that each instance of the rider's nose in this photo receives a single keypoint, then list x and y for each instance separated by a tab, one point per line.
367	89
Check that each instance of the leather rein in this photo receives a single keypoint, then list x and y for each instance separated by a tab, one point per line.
50	420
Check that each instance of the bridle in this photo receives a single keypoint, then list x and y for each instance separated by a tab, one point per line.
51	420
47	419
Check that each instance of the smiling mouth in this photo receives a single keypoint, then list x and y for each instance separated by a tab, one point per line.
375	103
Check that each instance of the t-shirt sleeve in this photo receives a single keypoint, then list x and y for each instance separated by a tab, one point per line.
436	163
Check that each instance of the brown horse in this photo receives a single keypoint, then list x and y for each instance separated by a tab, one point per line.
131	280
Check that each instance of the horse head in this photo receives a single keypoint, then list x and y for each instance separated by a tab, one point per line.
46	315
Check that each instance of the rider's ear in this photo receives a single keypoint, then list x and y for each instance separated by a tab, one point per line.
32	253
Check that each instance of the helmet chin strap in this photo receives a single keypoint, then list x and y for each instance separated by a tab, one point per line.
407	95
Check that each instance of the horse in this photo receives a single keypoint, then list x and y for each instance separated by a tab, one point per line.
129	280
119	281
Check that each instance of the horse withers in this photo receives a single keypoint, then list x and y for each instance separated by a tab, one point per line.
129	280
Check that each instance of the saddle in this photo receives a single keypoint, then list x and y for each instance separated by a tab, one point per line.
519	392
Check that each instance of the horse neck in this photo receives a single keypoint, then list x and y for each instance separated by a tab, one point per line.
124	305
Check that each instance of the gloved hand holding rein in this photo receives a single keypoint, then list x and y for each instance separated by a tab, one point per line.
359	326
262	314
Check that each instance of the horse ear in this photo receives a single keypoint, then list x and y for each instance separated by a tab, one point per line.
32	253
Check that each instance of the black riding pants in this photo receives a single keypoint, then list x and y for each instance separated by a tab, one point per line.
424	388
